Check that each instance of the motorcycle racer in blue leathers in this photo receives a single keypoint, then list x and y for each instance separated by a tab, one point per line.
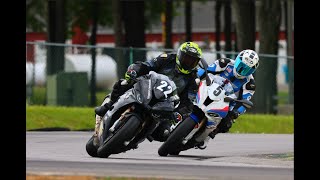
239	73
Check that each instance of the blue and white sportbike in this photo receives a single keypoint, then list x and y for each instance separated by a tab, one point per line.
212	105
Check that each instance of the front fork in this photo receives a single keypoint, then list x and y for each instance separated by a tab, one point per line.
97	130
99	126
194	130
208	129
204	134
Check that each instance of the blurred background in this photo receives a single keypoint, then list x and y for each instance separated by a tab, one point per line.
76	50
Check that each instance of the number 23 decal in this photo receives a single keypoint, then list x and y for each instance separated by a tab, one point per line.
164	85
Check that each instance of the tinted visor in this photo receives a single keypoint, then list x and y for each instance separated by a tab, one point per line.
188	62
243	69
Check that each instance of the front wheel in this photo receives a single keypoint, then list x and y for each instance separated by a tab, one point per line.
115	144
91	148
174	141
175	153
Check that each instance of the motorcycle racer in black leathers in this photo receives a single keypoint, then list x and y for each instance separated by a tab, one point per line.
179	67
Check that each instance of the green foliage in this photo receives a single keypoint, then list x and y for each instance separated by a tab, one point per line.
77	12
80	12
152	13
76	118
36	15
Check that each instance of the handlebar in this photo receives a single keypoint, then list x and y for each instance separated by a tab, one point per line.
245	102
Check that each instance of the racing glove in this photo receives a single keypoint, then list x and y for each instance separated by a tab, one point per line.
234	114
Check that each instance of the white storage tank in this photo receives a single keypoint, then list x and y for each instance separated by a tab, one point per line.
38	71
106	69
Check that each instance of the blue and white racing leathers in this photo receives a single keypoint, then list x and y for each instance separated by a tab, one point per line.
243	88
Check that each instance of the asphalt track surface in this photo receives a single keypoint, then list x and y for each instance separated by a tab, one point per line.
228	156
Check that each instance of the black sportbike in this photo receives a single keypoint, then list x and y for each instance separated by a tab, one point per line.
134	116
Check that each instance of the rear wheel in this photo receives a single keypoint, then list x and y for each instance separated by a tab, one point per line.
174	141
115	144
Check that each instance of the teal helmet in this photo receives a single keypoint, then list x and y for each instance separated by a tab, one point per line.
246	63
188	57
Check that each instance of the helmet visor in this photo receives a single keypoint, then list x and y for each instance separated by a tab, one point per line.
243	69
188	62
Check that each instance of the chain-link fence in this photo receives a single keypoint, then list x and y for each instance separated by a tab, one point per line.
104	65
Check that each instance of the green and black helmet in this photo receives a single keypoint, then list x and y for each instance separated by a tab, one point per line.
188	57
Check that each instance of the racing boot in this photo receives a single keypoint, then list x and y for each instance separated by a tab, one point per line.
162	132
101	110
204	138
213	133
202	145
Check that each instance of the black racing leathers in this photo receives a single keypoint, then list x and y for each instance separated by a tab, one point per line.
164	64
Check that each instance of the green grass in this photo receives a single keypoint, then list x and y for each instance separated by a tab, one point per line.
73	118
38	96
277	124
76	118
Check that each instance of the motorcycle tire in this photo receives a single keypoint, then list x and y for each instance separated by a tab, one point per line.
116	142
175	153
174	141
91	149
